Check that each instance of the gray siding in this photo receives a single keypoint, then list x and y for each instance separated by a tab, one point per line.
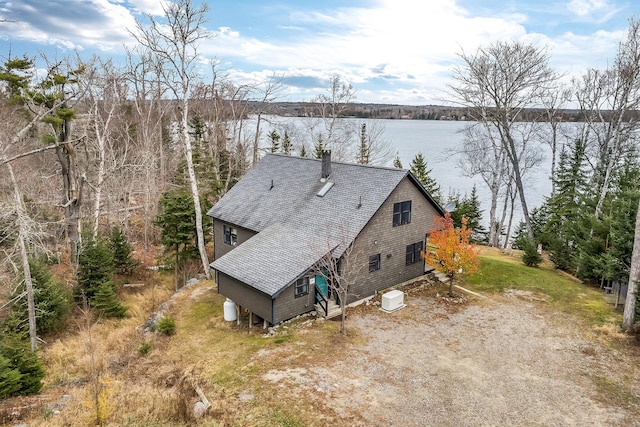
380	236
220	248
242	294
288	306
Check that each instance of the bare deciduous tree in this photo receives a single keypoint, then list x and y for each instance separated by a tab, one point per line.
497	83
175	44
335	134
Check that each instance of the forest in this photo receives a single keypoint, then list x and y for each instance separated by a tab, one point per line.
100	160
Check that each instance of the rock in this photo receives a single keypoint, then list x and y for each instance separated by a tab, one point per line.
192	282
199	410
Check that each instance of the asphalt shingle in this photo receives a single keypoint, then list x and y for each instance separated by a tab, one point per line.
278	199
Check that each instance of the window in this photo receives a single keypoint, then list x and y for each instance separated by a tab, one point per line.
413	252
374	263
230	235
401	213
302	287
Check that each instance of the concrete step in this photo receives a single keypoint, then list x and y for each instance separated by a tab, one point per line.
441	277
333	310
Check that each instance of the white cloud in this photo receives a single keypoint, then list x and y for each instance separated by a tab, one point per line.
153	7
416	43
587	7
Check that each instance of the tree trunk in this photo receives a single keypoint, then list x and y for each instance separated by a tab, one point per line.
28	282
188	149
515	163
256	141
451	285
98	187
628	317
72	187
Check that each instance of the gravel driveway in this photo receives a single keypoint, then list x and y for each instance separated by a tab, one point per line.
508	360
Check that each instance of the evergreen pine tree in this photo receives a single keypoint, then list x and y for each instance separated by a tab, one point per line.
419	169
318	148
9	378
303	151
95	267
363	150
469	207
123	262
106	303
21	371
564	225
530	257
287	147
275	141
397	163
176	218
51	298
620	214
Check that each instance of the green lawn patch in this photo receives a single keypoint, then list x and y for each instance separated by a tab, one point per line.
496	274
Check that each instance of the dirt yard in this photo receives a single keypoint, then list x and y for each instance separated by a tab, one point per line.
507	360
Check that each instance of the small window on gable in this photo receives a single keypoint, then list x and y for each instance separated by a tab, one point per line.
230	235
413	253
374	263
302	287
401	213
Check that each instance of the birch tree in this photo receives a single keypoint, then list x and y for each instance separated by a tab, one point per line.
335	134
629	314
142	74
497	83
106	94
175	43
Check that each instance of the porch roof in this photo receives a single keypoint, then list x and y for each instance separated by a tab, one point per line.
272	259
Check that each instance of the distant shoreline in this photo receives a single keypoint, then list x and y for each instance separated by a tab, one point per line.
394	111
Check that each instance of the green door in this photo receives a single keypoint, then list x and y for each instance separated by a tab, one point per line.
321	282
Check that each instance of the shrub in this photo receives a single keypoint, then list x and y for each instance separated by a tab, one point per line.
530	257
166	325
21	370
144	348
123	262
95	267
51	298
106	302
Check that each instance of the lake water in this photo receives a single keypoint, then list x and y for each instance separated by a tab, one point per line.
436	140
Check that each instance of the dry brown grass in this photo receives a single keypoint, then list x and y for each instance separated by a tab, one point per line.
150	389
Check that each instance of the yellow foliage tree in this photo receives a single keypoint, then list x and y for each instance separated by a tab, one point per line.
449	248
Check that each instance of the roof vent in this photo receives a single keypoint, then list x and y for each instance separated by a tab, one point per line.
325	189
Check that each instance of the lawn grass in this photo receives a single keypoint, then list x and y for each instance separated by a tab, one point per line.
229	361
499	272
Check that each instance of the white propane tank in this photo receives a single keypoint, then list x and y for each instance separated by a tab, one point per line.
230	311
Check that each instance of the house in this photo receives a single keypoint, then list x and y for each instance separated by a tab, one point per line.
287	213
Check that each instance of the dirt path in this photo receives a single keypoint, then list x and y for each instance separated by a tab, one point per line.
507	361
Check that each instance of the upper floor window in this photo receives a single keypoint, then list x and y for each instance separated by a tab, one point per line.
230	235
401	213
413	252
374	263
302	287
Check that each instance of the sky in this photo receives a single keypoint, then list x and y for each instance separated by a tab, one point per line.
390	51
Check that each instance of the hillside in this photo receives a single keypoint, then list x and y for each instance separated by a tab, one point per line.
516	356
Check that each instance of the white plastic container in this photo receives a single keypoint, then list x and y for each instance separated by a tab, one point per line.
393	300
230	313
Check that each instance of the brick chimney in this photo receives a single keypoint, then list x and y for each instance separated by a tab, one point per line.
326	165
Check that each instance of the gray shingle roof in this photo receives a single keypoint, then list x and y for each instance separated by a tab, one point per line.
271	259
278	199
254	205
